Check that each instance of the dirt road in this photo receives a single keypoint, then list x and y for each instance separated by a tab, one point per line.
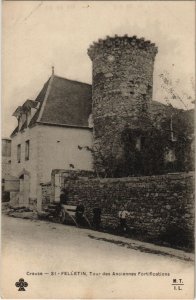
61	261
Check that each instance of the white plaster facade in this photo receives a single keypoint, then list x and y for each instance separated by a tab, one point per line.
50	147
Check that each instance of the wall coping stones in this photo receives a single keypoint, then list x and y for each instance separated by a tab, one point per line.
83	175
170	176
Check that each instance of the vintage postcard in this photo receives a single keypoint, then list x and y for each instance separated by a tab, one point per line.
98	150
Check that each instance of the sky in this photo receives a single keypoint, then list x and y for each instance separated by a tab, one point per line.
37	35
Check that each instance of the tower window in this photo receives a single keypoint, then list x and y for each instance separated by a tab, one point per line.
27	150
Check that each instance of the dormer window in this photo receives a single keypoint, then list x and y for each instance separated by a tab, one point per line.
33	110
22	120
25	113
28	117
17	114
19	123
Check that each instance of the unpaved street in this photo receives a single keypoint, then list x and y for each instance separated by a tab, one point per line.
79	263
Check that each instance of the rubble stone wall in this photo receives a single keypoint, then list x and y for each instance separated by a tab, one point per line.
159	205
122	89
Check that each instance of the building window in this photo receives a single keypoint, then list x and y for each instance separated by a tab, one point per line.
19	153
27	150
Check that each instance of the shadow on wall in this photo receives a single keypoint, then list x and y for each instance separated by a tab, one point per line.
177	237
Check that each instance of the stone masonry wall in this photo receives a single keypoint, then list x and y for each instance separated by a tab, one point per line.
161	207
46	194
122	89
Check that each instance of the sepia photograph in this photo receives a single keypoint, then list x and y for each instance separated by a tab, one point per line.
98	150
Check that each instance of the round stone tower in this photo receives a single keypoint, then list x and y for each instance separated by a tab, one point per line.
121	91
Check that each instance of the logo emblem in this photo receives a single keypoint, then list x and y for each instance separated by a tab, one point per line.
21	284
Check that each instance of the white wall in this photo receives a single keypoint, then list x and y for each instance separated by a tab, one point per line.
6	166
30	165
58	148
51	147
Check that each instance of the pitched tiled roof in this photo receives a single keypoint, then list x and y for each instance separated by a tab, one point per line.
40	98
62	102
68	103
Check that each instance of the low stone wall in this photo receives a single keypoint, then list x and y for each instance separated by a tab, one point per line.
161	207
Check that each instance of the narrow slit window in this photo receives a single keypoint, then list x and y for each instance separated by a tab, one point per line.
27	144
19	153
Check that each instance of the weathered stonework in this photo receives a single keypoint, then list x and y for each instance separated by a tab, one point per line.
161	207
122	89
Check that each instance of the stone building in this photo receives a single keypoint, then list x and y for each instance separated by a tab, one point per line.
106	127
5	165
122	89
126	120
47	136
6	157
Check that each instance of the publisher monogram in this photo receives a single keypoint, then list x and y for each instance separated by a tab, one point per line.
21	284
177	284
